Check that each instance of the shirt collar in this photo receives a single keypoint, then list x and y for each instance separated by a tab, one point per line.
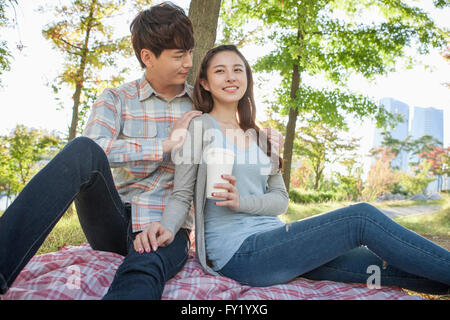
146	90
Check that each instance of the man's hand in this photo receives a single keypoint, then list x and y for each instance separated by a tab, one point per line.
179	131
153	237
276	139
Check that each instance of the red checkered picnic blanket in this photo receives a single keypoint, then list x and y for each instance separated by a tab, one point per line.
79	272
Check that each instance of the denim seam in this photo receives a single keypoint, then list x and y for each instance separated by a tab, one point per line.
3	283
409	244
109	191
184	259
296	238
114	203
359	273
182	262
341	219
362	229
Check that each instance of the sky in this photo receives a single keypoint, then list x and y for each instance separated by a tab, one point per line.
25	98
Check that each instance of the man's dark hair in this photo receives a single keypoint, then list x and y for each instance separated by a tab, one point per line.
160	27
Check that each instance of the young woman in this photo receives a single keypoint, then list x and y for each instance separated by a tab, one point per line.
241	237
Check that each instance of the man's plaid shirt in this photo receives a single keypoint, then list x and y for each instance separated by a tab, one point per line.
130	123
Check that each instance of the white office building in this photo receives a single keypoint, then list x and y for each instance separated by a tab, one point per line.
428	121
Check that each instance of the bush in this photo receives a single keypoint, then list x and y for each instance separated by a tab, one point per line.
307	196
381	177
411	185
349	188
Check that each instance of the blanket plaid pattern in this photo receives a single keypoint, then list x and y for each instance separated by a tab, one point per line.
81	273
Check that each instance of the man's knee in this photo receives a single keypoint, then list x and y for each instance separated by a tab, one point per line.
83	144
83	149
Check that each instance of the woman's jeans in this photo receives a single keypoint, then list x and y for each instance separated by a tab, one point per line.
81	172
352	244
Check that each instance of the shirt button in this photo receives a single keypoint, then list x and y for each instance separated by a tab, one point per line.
140	132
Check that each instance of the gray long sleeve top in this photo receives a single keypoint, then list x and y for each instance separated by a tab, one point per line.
190	185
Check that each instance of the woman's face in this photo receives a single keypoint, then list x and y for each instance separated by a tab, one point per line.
227	78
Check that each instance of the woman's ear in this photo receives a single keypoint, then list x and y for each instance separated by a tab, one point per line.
147	57
204	84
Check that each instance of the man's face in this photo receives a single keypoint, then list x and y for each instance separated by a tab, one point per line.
171	67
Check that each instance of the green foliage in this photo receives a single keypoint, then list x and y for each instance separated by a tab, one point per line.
321	145
441	3
349	188
80	32
310	196
309	34
411	185
315	147
332	39
5	57
416	146
437	223
66	232
425	148
381	177
21	156
302	176
5	54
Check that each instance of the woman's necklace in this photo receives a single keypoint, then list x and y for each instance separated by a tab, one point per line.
229	125
234	133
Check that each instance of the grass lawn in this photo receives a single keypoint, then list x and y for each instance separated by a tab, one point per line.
68	230
434	224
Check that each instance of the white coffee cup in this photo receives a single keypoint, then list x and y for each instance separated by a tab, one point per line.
219	161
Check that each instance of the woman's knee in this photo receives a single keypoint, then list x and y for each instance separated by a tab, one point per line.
366	208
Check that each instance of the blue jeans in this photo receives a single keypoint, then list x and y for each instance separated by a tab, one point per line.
143	276
332	246
80	173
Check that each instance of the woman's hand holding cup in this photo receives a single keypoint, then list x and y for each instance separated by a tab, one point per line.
230	196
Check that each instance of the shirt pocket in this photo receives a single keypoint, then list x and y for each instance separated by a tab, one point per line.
139	129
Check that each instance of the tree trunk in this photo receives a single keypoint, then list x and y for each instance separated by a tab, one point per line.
80	75
290	130
292	121
204	15
76	104
318	173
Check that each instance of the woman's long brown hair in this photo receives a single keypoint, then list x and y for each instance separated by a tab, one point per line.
246	107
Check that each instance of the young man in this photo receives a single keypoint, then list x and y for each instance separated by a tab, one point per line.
129	130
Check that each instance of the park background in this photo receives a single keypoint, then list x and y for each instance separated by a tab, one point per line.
324	66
